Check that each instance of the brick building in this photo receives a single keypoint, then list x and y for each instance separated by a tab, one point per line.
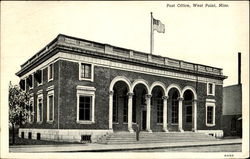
83	89
232	107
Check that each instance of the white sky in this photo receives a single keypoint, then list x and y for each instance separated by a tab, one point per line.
210	36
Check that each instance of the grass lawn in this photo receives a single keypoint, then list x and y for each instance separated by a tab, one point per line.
20	141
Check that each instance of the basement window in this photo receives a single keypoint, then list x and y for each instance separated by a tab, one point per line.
86	138
22	135
38	136
29	135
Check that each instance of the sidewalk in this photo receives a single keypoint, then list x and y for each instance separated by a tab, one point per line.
108	148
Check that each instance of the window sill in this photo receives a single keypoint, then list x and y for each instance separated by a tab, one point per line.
124	123
159	123
39	122
50	79
210	125
86	79
174	124
85	122
211	94
40	84
50	121
116	123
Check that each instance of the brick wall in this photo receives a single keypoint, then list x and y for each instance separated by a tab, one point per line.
43	87
102	78
66	74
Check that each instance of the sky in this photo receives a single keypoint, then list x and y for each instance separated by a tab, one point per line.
207	35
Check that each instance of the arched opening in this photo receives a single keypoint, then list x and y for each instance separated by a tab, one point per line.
120	106
188	110
139	109
157	108
173	107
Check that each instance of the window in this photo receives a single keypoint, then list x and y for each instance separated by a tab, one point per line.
210	113
125	110
175	104
31	110
50	72
50	106
85	72
30	81
210	89
188	105
115	107
159	106
25	84
22	84
39	77
40	108
84	108
85	104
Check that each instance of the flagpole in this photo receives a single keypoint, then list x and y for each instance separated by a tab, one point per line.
151	33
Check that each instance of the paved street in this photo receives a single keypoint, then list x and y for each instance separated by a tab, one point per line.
226	145
216	148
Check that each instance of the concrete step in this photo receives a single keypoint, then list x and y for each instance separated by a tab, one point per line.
156	137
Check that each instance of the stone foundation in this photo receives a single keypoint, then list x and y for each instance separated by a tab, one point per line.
68	135
215	133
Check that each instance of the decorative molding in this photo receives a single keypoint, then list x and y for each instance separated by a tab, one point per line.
31	94
40	91
122	66
180	99
195	100
120	78
50	88
111	93
211	100
148	96
165	97
130	94
85	88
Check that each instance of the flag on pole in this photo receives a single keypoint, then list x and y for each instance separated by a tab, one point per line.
158	26
155	25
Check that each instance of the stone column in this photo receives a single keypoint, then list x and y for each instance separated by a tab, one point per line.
180	114
195	115
148	101
130	108
165	113
111	93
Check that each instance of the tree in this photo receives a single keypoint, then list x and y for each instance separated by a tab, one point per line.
18	107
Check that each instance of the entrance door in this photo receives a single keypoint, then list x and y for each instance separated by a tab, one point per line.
188	124
144	120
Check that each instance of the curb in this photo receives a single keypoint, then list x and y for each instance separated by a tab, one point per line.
147	148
